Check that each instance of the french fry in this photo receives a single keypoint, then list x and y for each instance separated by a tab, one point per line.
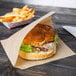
31	14
24	18
16	19
11	14
14	14
25	7
30	10
17	10
7	19
18	14
19	20
2	17
26	12
7	14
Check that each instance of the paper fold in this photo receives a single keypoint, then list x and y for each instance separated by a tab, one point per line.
12	46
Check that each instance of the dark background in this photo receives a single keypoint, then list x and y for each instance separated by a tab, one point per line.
57	3
62	17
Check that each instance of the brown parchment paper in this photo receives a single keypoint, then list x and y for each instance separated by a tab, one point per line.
12	46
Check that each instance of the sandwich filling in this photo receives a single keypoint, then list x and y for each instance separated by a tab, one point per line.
45	48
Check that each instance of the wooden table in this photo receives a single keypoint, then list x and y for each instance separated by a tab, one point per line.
63	67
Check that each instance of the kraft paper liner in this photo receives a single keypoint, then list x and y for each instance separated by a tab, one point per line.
12	46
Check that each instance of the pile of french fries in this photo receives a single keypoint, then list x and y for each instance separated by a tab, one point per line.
18	14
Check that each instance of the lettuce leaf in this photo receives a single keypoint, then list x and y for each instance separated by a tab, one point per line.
26	48
55	38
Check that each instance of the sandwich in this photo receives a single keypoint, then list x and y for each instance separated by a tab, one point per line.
39	43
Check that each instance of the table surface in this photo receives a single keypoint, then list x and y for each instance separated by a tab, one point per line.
63	67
